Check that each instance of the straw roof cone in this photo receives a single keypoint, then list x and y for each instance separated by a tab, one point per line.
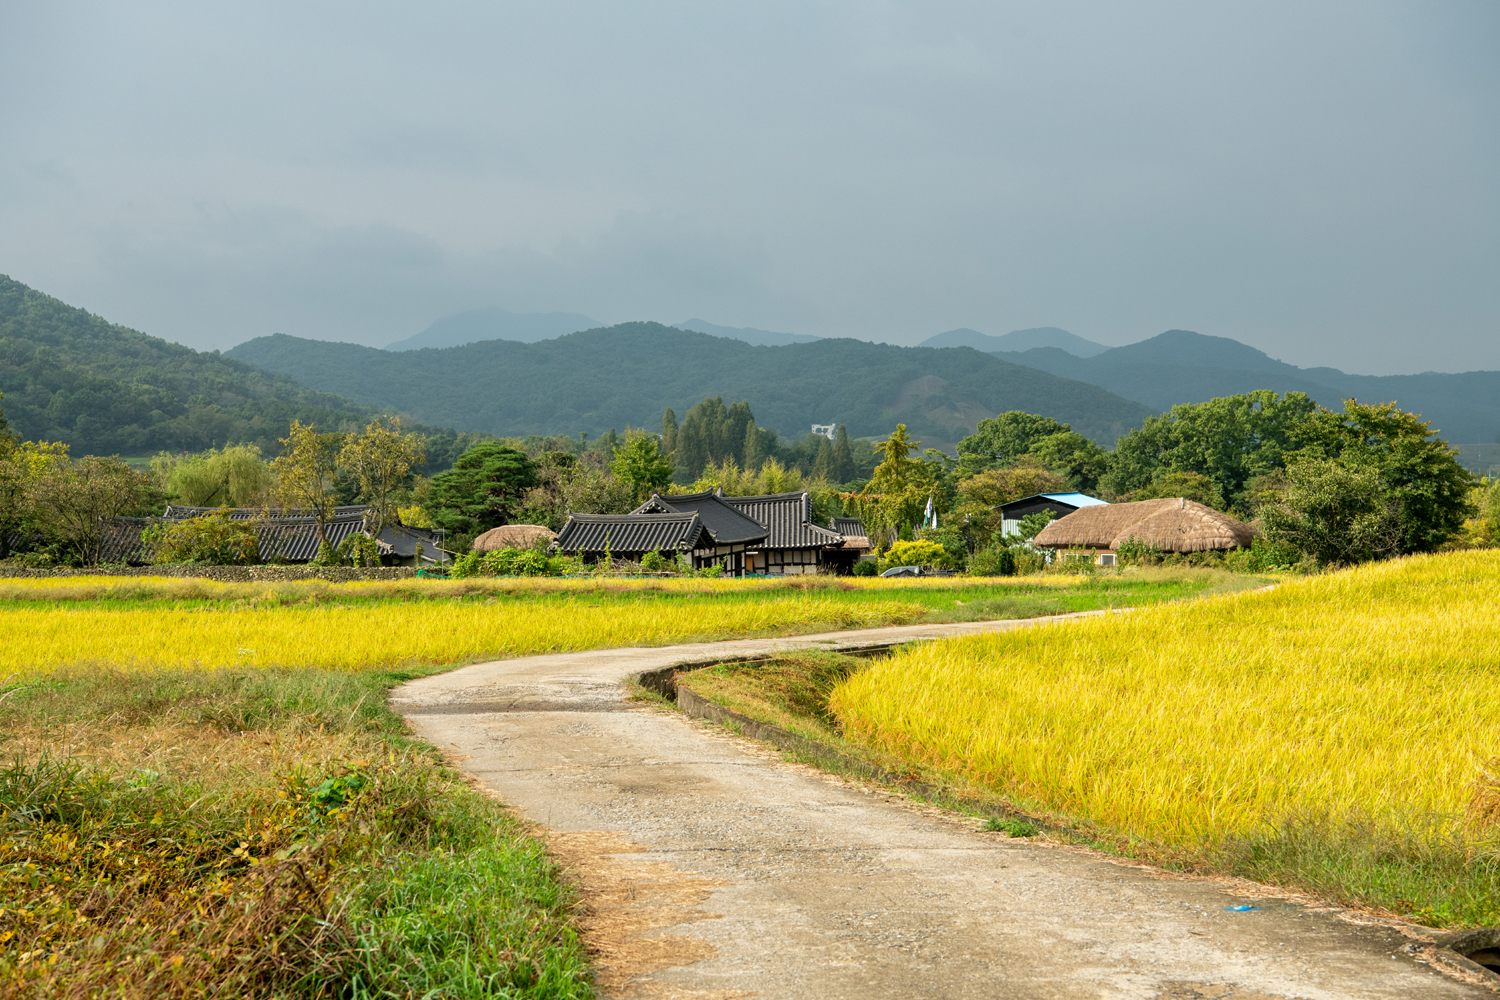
513	536
1172	524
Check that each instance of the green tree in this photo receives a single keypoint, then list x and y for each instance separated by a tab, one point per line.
669	432
1078	458
485	487
754	448
20	464
1419	472
1190	485
823	467
1332	513
1001	439
305	475
380	461
843	457
640	463
74	502
897	470
711	432
1231	440
235	477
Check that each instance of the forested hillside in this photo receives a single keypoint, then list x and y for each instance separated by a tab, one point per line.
628	374
1180	366
105	389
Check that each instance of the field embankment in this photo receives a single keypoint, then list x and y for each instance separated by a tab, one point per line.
1338	733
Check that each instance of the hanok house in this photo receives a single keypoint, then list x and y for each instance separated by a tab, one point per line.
289	536
857	545
771	534
1060	504
594	537
1173	524
793	545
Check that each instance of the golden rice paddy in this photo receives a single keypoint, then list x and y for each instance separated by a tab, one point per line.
35	640
1369	694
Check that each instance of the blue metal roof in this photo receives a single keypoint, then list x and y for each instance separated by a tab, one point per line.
1071	499
1076	499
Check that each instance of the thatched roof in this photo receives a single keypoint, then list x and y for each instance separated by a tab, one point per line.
513	536
1172	524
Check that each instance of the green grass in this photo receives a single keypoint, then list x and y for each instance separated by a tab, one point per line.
264	833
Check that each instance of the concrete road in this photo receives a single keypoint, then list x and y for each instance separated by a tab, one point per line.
711	869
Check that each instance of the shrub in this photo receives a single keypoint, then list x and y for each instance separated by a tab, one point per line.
1134	552
998	560
917	553
866	567
213	540
655	562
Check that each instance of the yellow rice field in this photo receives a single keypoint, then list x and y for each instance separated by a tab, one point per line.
342	637
1366	694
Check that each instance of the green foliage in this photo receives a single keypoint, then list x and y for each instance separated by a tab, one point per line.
535	561
641	463
1263	555
917	553
997	560
359	549
712	432
866	567
1011	826
655	562
1001	439
1032	524
379	462
483	490
212	540
1082	461
73	502
1420	474
1189	485
1333	514
1134	552
1230	441
235	476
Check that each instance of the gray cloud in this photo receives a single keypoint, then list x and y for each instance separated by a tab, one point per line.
1315	181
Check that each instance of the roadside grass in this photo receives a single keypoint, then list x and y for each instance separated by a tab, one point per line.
259	832
1337	734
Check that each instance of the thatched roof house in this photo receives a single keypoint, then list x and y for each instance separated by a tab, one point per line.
1173	524
514	536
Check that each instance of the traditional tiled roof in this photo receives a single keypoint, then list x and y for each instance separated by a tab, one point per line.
788	519
848	526
293	537
179	512
402	540
632	533
727	525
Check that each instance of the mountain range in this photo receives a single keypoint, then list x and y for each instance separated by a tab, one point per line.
493	324
1181	366
626	375
105	389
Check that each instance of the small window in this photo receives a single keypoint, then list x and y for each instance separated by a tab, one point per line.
1106	559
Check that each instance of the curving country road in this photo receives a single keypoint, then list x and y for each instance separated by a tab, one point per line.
712	869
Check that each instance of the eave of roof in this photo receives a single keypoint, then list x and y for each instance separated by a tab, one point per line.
726	524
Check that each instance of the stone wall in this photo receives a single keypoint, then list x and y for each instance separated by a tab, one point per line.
224	574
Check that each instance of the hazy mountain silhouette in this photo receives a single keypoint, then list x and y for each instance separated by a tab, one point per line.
494	324
1017	340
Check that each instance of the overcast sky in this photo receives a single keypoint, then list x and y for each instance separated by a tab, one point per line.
1319	180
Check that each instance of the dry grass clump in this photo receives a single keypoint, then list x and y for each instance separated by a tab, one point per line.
258	834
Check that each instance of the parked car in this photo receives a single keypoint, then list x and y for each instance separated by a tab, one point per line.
917	571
